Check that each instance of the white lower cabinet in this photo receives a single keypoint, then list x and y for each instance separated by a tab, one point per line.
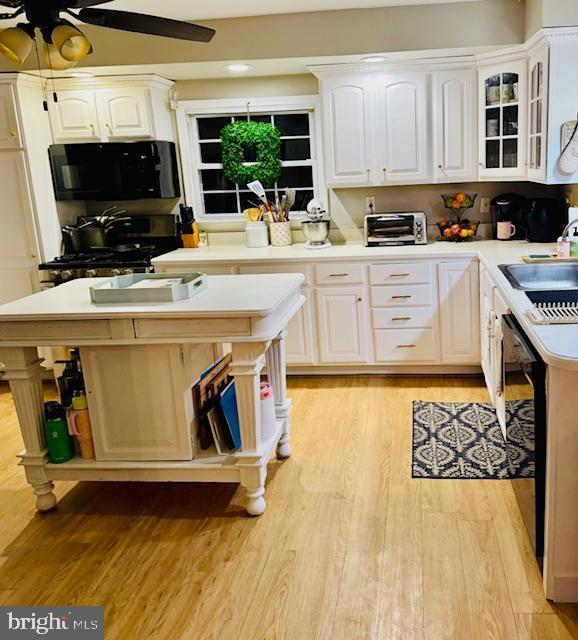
379	312
459	301
299	343
406	346
342	325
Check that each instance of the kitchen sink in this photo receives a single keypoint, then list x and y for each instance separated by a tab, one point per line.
529	277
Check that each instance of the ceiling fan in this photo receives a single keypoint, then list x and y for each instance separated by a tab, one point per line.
65	43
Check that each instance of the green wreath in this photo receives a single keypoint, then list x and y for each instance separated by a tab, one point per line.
260	137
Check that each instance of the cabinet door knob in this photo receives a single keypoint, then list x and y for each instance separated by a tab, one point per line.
359	299
13	134
481	164
440	165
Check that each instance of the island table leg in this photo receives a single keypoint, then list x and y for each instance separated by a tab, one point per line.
277	374
247	364
24	373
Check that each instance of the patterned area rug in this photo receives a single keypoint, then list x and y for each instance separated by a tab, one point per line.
464	441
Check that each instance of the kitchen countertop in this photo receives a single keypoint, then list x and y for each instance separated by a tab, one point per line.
557	344
225	296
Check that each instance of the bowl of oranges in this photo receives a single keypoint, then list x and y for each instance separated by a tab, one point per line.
458	228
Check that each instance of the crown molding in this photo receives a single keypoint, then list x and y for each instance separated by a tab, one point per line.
147	81
427	64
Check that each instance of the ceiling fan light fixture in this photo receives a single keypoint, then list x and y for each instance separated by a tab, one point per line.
71	43
55	61
15	44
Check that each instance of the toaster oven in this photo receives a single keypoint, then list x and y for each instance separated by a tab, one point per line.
390	229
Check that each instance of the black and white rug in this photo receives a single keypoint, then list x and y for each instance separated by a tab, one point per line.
464	441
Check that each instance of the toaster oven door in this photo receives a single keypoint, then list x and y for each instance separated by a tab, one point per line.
391	230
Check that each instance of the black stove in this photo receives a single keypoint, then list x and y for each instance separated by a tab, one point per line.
156	235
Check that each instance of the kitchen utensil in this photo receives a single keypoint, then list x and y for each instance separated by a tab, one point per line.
289	200
254	214
257	188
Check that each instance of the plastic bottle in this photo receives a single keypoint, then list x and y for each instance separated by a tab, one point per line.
58	441
574	244
79	424
563	247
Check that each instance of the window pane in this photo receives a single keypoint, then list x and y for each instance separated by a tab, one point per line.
214	180
210	128
295	149
509	87
511	153
302	198
220	203
296	177
245	196
510	121
294	124
211	152
492	154
493	90
492	123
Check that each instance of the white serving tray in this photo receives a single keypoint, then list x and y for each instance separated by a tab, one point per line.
117	289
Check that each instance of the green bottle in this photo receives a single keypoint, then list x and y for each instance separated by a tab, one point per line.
58	441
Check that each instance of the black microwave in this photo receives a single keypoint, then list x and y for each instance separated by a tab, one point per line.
115	170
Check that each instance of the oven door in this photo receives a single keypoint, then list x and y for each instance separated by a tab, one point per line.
525	395
391	229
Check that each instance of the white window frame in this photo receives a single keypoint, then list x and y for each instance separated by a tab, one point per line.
186	112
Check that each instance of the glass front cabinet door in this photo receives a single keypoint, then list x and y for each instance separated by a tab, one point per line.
537	113
502	120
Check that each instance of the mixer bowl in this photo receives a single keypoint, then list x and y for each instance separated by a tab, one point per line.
315	231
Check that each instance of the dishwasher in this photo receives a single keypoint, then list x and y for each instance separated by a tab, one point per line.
524	379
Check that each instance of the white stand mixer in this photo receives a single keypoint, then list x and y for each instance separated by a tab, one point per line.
316	229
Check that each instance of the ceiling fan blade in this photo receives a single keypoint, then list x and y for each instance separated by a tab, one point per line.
141	23
81	4
10	3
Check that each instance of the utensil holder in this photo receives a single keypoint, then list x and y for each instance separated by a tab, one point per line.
280	233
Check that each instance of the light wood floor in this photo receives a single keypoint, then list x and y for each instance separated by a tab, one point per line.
349	547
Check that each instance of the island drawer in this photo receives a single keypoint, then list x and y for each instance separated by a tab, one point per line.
405	345
402	318
340	273
413	295
400	273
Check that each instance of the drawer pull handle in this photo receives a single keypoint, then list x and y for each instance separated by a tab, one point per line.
406	346
399	275
401	318
400	297
338	275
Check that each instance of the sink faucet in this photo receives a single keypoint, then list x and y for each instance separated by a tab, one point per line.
567	228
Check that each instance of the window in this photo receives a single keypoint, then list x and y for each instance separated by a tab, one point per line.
213	196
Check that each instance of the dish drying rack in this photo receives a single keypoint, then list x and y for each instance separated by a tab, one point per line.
554	307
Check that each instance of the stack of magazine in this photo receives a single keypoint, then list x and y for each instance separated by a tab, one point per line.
216	408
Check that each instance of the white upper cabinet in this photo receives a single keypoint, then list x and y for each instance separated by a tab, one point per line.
125	113
116	108
10	137
74	116
347	120
502	125
537	114
454	110
402	141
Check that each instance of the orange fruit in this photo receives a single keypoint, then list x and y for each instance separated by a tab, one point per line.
447	232
460	197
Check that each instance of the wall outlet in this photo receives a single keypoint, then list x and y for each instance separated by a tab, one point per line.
485	205
370	204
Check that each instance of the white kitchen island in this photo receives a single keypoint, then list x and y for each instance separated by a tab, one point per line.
140	362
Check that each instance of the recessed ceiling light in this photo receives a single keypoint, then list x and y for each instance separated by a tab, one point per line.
373	59
238	67
80	74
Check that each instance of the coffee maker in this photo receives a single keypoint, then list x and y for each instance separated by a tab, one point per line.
545	221
510	207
